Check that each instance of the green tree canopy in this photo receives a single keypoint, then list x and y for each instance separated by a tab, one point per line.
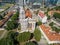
48	17
15	16
37	34
39	23
1	17
24	36
57	8
11	25
8	40
51	24
56	15
55	29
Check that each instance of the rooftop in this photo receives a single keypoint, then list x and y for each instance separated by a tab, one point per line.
53	11
41	14
28	13
2	22
50	36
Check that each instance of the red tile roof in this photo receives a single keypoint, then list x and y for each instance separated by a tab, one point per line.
2	22
53	11
51	36
41	14
28	13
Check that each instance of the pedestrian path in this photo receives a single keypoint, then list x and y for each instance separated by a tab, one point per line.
42	42
3	34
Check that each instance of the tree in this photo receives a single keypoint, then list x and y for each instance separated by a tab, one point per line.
56	15
19	27
10	39
48	17
57	30
51	24
6	41
31	37
23	37
37	34
15	16
57	8
3	41
11	25
13	37
39	23
1	17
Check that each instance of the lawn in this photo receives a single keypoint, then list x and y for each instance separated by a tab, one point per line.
6	5
1	32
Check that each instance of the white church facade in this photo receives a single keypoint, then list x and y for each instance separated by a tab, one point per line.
26	23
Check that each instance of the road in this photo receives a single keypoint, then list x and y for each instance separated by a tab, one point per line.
42	41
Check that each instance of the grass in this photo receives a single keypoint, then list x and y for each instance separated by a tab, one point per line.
1	32
6	5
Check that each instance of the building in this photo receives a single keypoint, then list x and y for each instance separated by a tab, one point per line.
2	2
31	24
22	13
51	37
28	13
42	17
26	23
53	2
36	5
58	3
22	20
20	2
8	1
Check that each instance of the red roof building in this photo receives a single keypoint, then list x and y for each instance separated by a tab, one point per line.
49	36
28	13
42	17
